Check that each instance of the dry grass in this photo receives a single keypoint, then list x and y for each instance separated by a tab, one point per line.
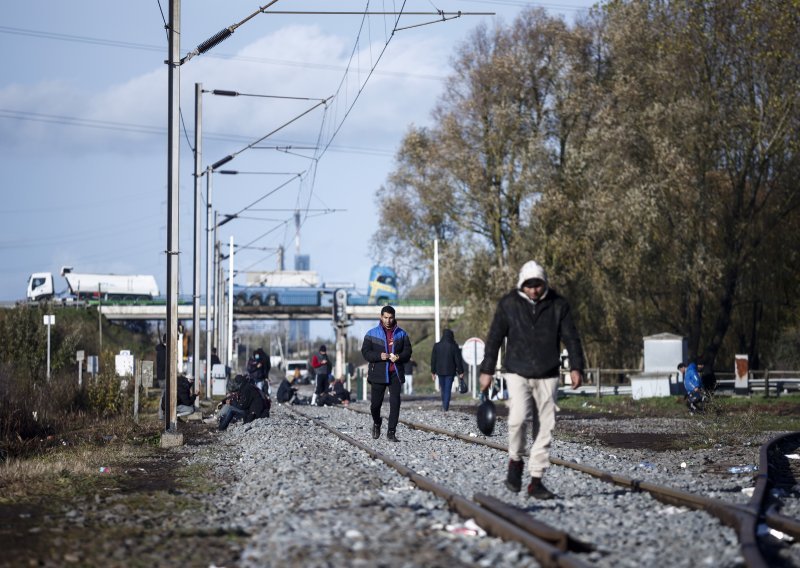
75	457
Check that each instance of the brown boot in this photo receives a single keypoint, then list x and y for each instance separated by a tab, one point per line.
537	490
514	477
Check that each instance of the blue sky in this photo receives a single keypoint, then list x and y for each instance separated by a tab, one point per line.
83	115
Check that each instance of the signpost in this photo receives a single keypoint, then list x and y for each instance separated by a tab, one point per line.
48	321
472	352
79	357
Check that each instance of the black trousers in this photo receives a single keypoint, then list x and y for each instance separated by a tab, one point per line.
378	392
322	384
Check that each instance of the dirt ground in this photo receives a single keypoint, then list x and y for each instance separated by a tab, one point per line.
147	505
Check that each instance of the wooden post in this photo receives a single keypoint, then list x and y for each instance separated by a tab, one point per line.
137	380
766	383
598	382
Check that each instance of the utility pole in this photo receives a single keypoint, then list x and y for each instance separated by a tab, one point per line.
230	304
436	288
209	288
198	154
173	217
215	335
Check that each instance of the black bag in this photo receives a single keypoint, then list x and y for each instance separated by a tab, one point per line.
487	415
462	385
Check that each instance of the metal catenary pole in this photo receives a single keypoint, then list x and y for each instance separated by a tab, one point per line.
198	154
215	287
173	211
230	305
209	287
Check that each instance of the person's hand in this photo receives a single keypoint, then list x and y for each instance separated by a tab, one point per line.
384	356
461	375
486	381
433	377
393	357
576	377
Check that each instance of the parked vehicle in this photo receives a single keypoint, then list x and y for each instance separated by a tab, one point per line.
302	364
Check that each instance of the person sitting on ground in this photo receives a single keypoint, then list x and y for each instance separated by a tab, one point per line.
286	391
230	409
246	402
337	390
694	388
185	397
254	402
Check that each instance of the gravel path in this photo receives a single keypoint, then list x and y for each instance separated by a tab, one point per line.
307	498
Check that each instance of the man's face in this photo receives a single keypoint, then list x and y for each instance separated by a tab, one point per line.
534	289
387	320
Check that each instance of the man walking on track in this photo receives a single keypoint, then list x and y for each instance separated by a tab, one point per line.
535	320
387	348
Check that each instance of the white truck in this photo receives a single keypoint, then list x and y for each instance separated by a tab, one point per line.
92	286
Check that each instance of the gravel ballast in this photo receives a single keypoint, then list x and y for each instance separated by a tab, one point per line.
308	498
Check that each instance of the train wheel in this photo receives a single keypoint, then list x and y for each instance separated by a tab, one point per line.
272	300
255	301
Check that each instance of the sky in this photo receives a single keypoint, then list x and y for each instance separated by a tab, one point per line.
83	128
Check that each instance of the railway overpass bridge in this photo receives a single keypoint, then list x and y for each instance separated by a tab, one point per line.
159	312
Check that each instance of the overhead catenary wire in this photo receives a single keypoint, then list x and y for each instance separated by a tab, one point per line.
229	157
260	199
223	34
160	130
229	57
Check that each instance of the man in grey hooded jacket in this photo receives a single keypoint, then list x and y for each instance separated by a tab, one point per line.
535	320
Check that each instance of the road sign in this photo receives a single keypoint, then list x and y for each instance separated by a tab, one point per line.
472	351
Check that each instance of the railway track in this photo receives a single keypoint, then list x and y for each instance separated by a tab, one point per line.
555	547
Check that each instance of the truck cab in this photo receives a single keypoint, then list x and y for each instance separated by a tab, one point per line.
40	286
382	285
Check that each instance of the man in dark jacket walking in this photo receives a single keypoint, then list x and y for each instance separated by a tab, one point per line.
534	319
387	348
446	362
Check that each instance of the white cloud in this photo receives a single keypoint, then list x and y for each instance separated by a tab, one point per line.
109	120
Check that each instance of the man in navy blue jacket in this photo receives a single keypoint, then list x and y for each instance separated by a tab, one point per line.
387	348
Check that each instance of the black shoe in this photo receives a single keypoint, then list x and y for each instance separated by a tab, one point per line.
514	478
391	437
537	490
376	431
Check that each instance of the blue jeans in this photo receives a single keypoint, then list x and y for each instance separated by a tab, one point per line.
446	386
228	413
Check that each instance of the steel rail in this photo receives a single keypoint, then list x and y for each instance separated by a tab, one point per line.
771	517
743	519
545	552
